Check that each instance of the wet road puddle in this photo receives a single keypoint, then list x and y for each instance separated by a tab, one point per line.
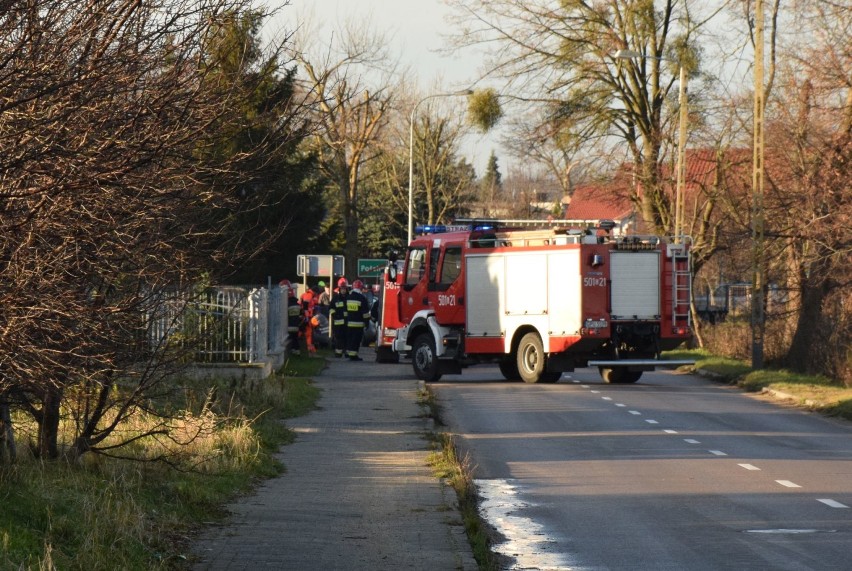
525	541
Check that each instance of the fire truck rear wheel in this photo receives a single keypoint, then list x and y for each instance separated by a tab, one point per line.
531	359
424	360
619	375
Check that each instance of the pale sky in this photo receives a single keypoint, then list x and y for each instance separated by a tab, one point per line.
418	30
415	28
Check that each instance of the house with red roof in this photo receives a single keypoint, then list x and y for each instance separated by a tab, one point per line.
617	198
605	200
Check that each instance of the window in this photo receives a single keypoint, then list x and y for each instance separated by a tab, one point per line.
451	268
416	266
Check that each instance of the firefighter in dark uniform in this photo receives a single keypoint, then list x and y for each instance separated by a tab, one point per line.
357	316
294	316
337	317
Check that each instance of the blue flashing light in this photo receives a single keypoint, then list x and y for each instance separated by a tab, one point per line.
485	227
430	229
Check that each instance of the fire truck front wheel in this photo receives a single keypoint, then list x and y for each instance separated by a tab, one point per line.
424	360
532	360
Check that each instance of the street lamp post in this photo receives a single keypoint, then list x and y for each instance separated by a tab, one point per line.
411	155
681	143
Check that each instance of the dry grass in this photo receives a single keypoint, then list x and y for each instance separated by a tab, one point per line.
99	512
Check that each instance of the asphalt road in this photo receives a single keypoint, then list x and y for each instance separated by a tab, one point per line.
675	472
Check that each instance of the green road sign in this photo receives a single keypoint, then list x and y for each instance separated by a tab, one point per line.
371	268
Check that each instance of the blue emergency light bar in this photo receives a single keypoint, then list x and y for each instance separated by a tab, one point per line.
430	229
440	228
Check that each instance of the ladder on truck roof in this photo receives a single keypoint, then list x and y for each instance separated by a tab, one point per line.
496	223
681	285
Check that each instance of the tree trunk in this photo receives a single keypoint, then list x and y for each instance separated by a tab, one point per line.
800	354
349	214
48	426
87	436
8	452
697	339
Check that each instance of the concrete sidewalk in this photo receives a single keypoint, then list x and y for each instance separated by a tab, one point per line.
356	493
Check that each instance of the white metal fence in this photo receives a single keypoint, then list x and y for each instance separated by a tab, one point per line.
220	324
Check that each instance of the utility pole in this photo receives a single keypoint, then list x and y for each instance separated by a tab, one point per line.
758	319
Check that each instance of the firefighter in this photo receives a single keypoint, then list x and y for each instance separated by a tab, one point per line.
294	316
309	303
337	317
357	316
324	299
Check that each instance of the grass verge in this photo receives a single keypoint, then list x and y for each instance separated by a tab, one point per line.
457	472
815	393
102	513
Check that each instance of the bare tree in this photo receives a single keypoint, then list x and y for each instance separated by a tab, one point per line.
809	150
442	184
351	87
563	57
105	197
438	171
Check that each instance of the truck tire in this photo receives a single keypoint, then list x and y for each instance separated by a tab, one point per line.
531	359
619	375
509	369
424	360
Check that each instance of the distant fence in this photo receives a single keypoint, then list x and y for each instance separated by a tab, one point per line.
220	324
734	300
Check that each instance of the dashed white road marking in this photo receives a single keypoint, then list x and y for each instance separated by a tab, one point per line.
606	398
832	503
717	453
634	412
691	441
621	405
787	531
748	466
649	421
596	392
788	484
669	431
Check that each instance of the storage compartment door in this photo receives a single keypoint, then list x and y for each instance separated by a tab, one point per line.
485	279
635	291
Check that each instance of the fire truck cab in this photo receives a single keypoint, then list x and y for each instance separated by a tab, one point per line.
539	301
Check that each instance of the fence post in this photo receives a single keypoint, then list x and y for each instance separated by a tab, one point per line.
257	336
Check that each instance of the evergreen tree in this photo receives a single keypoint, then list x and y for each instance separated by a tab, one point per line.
278	197
491	186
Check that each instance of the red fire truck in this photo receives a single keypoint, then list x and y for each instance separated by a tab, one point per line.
538	299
